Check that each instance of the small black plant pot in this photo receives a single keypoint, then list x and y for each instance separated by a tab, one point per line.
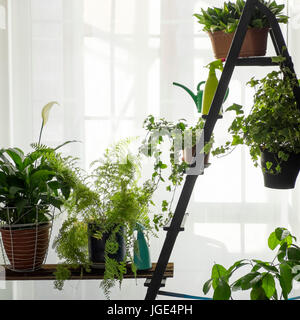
287	178
97	246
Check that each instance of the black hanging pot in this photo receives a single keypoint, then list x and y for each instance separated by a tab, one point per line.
287	178
97	246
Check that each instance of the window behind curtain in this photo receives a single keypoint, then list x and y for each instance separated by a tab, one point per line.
133	51
122	75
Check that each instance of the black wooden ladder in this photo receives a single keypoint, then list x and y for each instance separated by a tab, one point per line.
232	61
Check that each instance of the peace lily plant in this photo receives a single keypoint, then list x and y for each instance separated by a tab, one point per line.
31	186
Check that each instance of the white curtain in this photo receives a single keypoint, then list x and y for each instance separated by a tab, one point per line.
4	80
110	63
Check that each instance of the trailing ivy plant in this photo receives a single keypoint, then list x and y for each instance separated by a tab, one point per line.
179	135
227	17
263	278
273	123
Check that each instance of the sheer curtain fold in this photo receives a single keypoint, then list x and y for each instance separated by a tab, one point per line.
109	64
4	79
47	66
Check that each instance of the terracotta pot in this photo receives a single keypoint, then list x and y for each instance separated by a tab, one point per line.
26	246
287	178
255	43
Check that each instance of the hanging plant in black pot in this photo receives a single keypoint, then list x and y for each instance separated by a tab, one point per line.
287	174
271	129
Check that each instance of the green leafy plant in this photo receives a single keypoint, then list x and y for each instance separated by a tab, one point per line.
263	277
114	199
273	122
38	179
179	135
227	18
34	187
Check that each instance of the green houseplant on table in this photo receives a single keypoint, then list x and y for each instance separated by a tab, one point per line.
114	202
221	24
262	277
31	186
271	130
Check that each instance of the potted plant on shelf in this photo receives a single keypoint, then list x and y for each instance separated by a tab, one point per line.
271	129
221	24
182	140
100	233
31	187
262	277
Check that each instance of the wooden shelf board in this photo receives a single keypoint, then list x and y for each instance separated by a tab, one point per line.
47	273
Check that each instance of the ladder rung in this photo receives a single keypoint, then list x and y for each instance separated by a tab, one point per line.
148	282
256	61
168	226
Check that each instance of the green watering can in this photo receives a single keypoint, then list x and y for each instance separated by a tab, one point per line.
198	98
142	254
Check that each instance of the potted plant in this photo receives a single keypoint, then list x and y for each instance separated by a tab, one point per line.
264	277
221	24
100	232
31	187
271	129
182	141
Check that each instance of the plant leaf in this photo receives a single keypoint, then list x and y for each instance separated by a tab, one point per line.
41	176
64	144
294	254
268	284
247	281
258	294
285	279
222	291
237	108
17	156
282	252
218	271
273	242
207	286
282	233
